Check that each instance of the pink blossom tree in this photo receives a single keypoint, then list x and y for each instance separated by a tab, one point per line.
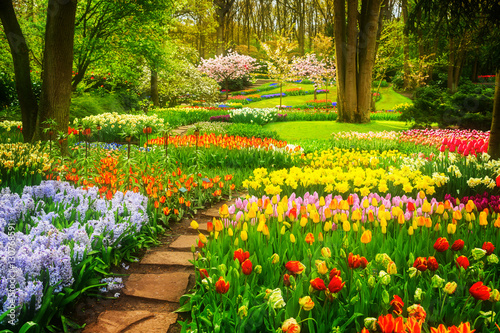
230	67
311	68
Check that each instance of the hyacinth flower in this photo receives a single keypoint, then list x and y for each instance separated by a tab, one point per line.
69	224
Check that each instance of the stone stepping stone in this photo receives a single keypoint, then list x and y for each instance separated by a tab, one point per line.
168	258
212	212
184	243
112	321
162	287
160	323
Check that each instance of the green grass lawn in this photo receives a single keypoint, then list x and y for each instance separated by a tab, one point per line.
388	101
297	130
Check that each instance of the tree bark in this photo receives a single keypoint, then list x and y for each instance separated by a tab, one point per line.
154	88
355	58
494	144
55	99
406	47
20	56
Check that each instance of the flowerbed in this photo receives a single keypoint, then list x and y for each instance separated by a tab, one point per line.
52	236
347	264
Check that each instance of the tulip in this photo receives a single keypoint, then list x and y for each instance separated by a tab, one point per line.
488	247
366	237
432	264
397	305
241	255
275	258
321	267
386	323
306	303
457	245
480	291
336	284
391	268
462	261
290	326
326	252
420	264
246	267
295	267
203	273
194	225
244	235
416	311
450	288
221	286
309	238
318	284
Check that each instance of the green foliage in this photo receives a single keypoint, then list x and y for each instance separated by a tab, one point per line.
88	105
312	115
8	95
249	130
383	84
176	117
470	107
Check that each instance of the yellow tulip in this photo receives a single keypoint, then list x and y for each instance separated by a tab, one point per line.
292	238
303	221
244	235
203	238
245	226
327	227
230	232
283	230
194	225
269	210
346	226
321	267
401	219
384	229
328	213
320	237
322	201
354	227
218	226
451	228
366	237
410	230
483	221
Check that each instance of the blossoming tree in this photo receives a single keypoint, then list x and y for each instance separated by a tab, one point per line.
311	68
230	67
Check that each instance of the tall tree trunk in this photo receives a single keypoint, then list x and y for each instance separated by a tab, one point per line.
451	64
355	58
55	99
154	88
220	35
406	47
494	144
20	56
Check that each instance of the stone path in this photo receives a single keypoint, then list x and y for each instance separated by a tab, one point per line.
153	290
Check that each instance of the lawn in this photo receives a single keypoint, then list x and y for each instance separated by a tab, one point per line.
297	130
388	101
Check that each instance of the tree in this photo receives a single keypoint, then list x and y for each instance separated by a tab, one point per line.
279	64
222	8
56	77
309	67
231	67
355	55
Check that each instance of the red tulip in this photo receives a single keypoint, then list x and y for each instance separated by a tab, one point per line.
336	284
432	264
488	247
462	261
397	305
295	267
386	323
356	261
441	244
240	255
410	206
246	267
203	273
221	286
480	291
334	272
318	284
458	245
286	280
420	264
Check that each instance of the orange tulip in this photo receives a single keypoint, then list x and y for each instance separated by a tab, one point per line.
309	238
366	237
221	286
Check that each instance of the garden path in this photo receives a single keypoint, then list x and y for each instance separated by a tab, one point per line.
155	284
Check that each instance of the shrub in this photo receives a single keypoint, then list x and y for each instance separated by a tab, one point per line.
249	130
384	84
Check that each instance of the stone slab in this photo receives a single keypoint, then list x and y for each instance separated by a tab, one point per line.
167	258
184	243
212	212
163	287
160	323
112	321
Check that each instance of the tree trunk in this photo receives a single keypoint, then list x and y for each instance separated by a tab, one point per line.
220	35
21	60
355	58
451	66
55	99
154	88
494	144
369	27
406	47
